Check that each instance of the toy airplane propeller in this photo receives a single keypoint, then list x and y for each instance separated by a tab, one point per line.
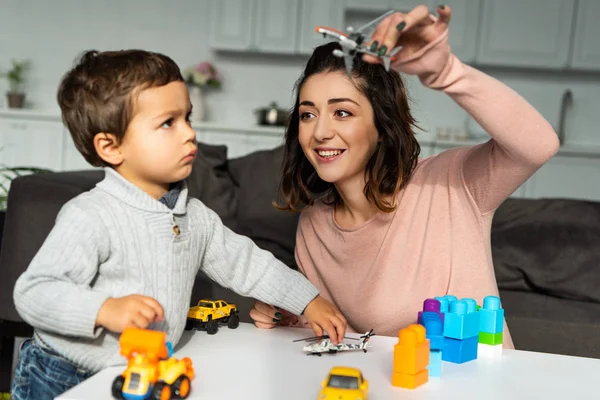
325	345
352	43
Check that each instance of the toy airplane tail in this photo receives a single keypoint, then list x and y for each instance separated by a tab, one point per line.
388	58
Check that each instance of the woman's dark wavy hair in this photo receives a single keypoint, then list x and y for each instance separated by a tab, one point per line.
395	156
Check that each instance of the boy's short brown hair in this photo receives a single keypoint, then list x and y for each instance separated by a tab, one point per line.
97	94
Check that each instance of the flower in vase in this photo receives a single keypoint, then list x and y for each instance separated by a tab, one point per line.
202	75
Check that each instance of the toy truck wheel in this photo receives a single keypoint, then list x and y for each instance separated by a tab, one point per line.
212	327
117	387
234	321
181	387
189	325
161	391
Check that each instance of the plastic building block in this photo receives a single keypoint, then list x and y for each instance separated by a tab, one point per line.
491	315
445	302
430	305
460	351
435	363
485	351
490	338
434	330
411	358
462	321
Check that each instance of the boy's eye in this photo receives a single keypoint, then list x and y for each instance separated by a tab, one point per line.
168	123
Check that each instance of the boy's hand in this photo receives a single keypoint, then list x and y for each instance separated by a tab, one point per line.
324	316
134	310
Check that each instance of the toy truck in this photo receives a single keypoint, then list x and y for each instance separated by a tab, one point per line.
208	314
152	372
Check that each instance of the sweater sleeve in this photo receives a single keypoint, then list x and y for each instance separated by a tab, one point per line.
521	139
236	262
54	294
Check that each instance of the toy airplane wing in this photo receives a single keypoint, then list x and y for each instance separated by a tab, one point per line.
367	29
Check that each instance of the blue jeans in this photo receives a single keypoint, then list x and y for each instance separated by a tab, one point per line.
42	374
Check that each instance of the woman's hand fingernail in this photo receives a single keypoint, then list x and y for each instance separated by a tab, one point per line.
278	316
374	45
382	50
400	26
442	6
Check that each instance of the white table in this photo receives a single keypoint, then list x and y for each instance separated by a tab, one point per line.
250	363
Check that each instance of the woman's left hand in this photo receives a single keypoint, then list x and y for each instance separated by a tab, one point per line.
413	31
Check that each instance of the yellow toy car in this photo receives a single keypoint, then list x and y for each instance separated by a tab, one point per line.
344	383
208	314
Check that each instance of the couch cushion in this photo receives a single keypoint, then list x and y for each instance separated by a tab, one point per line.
257	177
549	246
33	203
211	183
538	322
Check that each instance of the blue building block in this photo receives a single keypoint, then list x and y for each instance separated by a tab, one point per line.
435	363
491	315
445	302
460	351
433	329
462	320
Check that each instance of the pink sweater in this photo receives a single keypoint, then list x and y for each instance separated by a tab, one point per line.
437	242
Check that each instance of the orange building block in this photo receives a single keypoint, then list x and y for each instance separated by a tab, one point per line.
411	358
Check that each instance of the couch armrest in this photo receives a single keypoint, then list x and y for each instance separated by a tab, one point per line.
33	203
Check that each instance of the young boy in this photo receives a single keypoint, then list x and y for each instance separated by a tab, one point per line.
127	252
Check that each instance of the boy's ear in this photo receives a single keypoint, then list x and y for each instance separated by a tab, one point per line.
108	148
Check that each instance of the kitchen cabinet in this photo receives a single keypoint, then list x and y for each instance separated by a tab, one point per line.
268	26
232	24
586	42
30	143
276	26
314	13
532	33
464	28
384	5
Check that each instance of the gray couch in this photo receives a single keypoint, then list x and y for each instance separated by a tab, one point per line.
546	252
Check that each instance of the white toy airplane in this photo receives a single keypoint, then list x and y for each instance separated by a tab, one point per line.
352	43
325	345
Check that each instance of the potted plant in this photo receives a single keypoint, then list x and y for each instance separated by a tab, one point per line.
15	97
198	77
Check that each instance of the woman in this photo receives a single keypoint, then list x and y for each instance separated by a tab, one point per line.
381	230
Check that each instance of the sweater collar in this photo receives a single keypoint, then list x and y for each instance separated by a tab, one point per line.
119	187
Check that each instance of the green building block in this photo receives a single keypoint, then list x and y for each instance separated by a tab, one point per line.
490	338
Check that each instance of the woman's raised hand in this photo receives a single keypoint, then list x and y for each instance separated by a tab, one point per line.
412	30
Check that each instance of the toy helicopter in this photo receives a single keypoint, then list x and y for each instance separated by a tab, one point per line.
326	346
352	43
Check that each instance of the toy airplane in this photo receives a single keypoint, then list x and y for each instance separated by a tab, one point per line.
352	43
325	346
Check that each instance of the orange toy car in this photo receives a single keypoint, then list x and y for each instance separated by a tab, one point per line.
152	372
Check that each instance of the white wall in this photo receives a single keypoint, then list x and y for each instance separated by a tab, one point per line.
52	33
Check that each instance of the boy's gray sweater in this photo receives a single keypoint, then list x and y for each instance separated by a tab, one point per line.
116	240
